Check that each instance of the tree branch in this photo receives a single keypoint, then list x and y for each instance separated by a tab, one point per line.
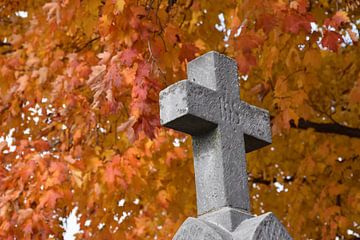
333	128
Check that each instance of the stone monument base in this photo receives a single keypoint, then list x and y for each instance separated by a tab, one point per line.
232	224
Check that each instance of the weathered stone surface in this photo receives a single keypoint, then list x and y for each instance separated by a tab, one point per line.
197	229
227	218
224	128
263	227
208	107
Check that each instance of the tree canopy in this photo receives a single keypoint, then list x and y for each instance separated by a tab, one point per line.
79	115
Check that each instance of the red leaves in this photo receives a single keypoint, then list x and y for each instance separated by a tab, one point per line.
187	52
300	5
331	40
267	22
248	41
128	127
337	20
41	145
295	23
144	101
127	56
120	170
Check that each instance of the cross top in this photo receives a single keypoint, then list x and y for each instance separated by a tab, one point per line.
208	107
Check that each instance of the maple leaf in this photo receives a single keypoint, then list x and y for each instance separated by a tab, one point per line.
162	198
127	56
23	214
53	11
41	145
128	127
113	75
261	89
338	19
48	199
119	6
23	82
111	172
354	37
267	22
95	82
188	51
294	23
332	40
28	227
300	5
95	63
172	34
355	92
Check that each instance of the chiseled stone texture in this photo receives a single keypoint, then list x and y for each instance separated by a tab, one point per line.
263	227
227	218
224	128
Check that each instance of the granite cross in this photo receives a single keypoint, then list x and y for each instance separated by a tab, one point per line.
208	107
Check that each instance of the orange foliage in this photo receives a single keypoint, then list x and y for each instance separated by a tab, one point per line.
79	84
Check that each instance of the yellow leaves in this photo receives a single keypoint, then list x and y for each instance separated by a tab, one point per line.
200	44
90	16
163	199
134	51
293	59
336	189
288	115
195	19
354	96
270	57
93	163
312	59
77	136
77	177
128	127
172	34
119	5
281	87
325	3
43	73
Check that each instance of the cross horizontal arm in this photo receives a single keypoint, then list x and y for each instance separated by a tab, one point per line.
188	107
255	123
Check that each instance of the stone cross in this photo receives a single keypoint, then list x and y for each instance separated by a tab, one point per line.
207	106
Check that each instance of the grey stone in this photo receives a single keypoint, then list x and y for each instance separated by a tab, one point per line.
226	217
197	229
208	107
263	227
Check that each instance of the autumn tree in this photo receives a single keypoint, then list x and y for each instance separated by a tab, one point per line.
79	84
